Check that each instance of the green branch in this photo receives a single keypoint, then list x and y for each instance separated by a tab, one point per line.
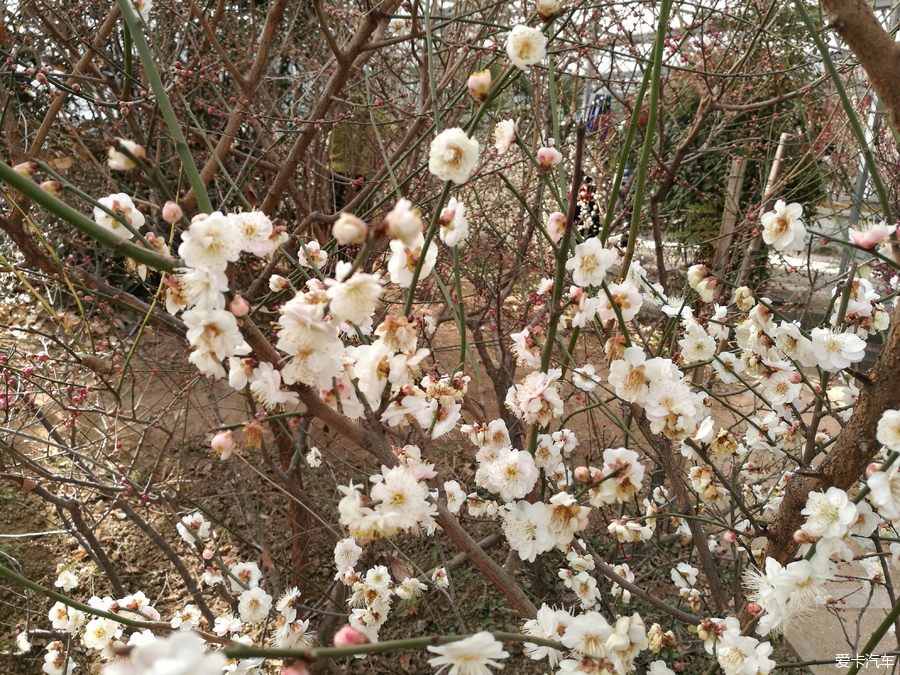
81	222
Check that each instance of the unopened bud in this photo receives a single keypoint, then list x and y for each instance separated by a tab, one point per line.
348	636
753	608
548	157
871	469
480	85
556	226
803	537
730	537
348	229
172	213
223	443
207	554
52	187
583	474
278	283
239	306
547	8
26	169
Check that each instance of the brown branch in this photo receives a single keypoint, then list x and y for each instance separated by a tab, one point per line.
666	460
355	54
210	35
170	553
873	46
247	92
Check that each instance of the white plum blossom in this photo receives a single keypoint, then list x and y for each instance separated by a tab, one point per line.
312	254
470	656
196	289
244	575
585	378
556	226
121	205
547	625
828	514
99	632
187	619
214	336
453	155
176	654
504	136
211	242
888	430
119	161
453	223
265	385
696	345
314	458
513	473
527	528
193	528
590	263
526	46
66	580
836	351
403	222
254	604
255	232
624	296
455	496
885	492
353	299
404	259
783	228
587	634
684	575
537	399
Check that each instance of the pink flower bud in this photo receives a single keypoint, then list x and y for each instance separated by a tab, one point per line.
278	283
753	608
871	469
480	85
297	668
730	537
348	636
556	226
172	213
239	306
223	443
803	537
548	157
207	554
52	187
583	474
795	378
873	236
26	169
